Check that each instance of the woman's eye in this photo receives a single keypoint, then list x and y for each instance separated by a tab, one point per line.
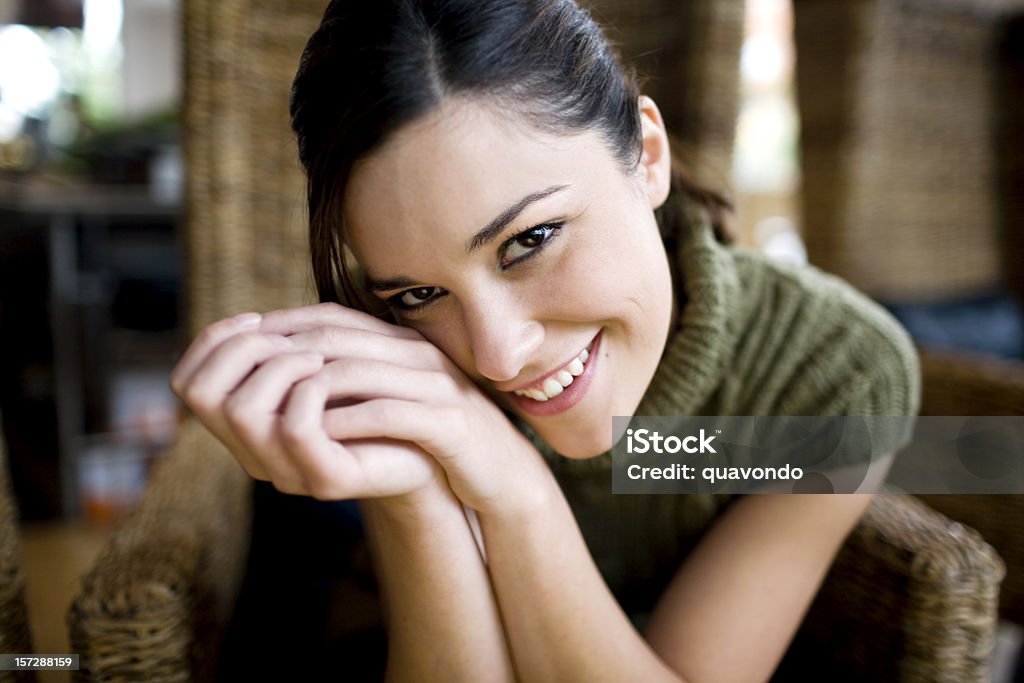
416	297
527	243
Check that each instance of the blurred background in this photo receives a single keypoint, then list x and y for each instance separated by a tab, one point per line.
91	181
90	190
878	140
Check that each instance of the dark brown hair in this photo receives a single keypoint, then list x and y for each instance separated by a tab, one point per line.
374	66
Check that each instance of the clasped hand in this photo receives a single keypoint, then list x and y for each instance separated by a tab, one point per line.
330	402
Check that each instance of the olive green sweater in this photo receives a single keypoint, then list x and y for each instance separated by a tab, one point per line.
754	338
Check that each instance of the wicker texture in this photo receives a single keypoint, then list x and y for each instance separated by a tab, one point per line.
687	54
958	384
14	631
911	597
906	183
153	604
246	235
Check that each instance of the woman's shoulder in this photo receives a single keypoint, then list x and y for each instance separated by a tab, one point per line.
810	343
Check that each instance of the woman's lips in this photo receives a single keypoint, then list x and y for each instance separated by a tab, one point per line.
570	395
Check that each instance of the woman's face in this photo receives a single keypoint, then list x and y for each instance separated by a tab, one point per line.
531	259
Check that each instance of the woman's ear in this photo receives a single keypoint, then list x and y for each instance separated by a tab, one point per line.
655	166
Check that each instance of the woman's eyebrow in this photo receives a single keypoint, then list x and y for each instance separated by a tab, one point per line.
480	239
387	285
495	227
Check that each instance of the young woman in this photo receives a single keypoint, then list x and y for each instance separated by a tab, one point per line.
508	257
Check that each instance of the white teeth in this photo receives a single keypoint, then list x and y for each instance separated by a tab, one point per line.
556	383
552	388
537	395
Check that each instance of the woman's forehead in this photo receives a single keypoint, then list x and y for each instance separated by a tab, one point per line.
456	169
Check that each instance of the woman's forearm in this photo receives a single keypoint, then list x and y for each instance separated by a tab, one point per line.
752	577
442	619
561	620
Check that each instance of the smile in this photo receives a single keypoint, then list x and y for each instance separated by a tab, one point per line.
558	381
563	388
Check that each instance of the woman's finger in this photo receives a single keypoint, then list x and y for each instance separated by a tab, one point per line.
218	374
348	342
361	379
436	430
264	392
358	469
207	340
252	410
327	469
288	321
383	418
224	368
393	467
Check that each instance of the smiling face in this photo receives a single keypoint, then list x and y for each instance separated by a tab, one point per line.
533	260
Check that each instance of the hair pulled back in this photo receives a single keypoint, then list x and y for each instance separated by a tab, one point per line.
374	66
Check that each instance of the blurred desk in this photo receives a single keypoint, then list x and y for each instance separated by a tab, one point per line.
111	290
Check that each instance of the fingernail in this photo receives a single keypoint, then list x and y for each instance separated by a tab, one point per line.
248	319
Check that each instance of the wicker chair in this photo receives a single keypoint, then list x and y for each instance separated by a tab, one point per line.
961	384
911	597
14	631
911	144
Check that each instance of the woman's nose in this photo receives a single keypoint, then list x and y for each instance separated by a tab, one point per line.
503	338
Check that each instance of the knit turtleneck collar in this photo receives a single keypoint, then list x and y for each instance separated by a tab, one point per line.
703	336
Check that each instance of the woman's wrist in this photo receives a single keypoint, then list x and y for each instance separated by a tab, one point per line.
526	492
419	506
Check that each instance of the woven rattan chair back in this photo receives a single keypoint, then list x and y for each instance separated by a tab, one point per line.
911	144
14	631
245	232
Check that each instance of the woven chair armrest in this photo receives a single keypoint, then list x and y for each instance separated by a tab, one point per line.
912	596
959	383
155	602
14	629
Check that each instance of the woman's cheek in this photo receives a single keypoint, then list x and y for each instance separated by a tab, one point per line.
585	279
609	278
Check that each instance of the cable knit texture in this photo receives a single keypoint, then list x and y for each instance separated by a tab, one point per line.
754	338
